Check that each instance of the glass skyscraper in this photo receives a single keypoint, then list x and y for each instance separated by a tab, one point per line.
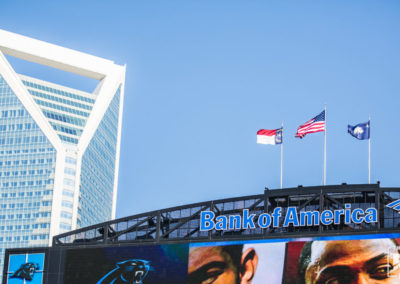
59	147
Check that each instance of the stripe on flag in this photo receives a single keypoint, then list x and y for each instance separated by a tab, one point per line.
316	124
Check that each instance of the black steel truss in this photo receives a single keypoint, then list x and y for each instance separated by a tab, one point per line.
181	224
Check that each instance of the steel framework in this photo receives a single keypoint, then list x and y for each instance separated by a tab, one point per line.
181	224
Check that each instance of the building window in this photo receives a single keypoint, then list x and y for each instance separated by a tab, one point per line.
70	160
66	204
68	181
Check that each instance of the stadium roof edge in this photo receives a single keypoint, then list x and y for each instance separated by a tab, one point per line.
334	186
278	193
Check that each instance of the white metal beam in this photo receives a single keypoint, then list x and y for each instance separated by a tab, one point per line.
53	55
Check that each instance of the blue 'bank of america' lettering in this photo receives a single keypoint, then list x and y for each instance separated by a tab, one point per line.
208	220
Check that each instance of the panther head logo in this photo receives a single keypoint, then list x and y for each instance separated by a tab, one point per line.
26	271
129	271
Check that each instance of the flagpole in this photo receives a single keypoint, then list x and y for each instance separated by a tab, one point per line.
369	150
281	154
324	183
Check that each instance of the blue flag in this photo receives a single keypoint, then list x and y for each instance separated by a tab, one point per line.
360	131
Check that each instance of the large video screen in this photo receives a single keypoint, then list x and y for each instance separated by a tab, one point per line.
330	260
127	264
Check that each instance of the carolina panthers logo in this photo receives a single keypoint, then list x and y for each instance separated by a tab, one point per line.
358	130
129	271
26	271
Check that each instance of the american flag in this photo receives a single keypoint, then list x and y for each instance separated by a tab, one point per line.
316	124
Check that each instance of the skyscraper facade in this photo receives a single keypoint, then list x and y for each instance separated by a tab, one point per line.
59	147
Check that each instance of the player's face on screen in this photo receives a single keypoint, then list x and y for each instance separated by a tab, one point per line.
214	265
211	265
356	261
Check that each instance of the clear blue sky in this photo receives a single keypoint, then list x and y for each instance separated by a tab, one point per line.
204	76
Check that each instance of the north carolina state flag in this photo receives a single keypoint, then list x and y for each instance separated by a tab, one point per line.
272	137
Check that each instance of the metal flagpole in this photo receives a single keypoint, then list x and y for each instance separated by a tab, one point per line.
281	153
325	149
369	150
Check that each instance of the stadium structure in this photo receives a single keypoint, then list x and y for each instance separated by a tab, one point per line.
157	246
